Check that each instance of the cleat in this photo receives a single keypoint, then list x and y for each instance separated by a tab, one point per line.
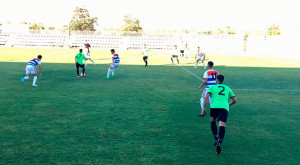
218	151
22	80
106	77
34	85
112	75
78	76
84	75
202	115
195	67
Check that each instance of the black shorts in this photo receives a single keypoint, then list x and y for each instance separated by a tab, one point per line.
78	65
174	56
182	51
145	58
219	113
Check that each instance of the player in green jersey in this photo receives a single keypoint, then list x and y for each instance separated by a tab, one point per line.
219	109
78	61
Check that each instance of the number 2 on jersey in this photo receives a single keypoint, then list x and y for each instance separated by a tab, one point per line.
221	92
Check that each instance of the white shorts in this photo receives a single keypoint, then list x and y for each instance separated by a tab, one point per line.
30	70
114	66
204	93
200	58
87	55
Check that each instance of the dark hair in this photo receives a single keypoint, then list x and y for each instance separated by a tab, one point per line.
39	56
210	64
112	50
220	78
80	50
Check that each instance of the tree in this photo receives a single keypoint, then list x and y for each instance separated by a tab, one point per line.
50	28
229	30
274	30
82	21
37	26
131	24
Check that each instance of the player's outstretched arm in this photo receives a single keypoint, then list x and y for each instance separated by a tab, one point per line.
204	82
40	69
233	101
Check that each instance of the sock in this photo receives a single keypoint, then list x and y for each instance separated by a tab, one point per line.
221	133
177	61
203	65
214	129
34	80
84	62
113	72
108	72
202	102
92	61
83	70
77	71
146	63
196	64
26	78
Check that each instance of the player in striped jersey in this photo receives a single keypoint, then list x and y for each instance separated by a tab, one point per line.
30	69
114	65
87	48
200	56
209	78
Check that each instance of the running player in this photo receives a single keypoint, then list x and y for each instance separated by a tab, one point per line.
145	55
87	48
30	69
201	56
219	109
175	55
209	77
78	61
114	65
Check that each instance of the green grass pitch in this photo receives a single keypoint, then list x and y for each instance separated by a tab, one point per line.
143	115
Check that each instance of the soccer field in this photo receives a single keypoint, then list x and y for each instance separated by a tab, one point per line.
144	115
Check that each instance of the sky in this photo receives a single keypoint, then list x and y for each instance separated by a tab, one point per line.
240	15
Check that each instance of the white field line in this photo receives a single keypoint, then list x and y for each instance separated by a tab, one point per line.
269	90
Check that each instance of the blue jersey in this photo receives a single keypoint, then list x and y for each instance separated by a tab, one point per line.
34	62
116	58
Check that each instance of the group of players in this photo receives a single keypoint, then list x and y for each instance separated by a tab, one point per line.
215	92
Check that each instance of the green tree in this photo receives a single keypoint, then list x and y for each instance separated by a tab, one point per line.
50	28
23	23
82	21
229	30
131	24
274	30
37	26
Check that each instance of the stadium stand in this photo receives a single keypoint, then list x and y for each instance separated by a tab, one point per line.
3	38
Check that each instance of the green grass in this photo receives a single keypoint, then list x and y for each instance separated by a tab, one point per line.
145	116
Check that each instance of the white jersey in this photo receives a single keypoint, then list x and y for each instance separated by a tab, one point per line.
145	52
175	52
34	62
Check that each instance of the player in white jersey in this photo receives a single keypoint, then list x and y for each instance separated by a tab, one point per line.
200	56
145	55
187	52
86	53
114	65
30	70
209	77
175	55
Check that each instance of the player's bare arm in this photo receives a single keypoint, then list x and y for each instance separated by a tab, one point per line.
204	82
40	69
233	101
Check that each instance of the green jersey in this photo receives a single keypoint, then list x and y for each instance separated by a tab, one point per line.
80	57
219	96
